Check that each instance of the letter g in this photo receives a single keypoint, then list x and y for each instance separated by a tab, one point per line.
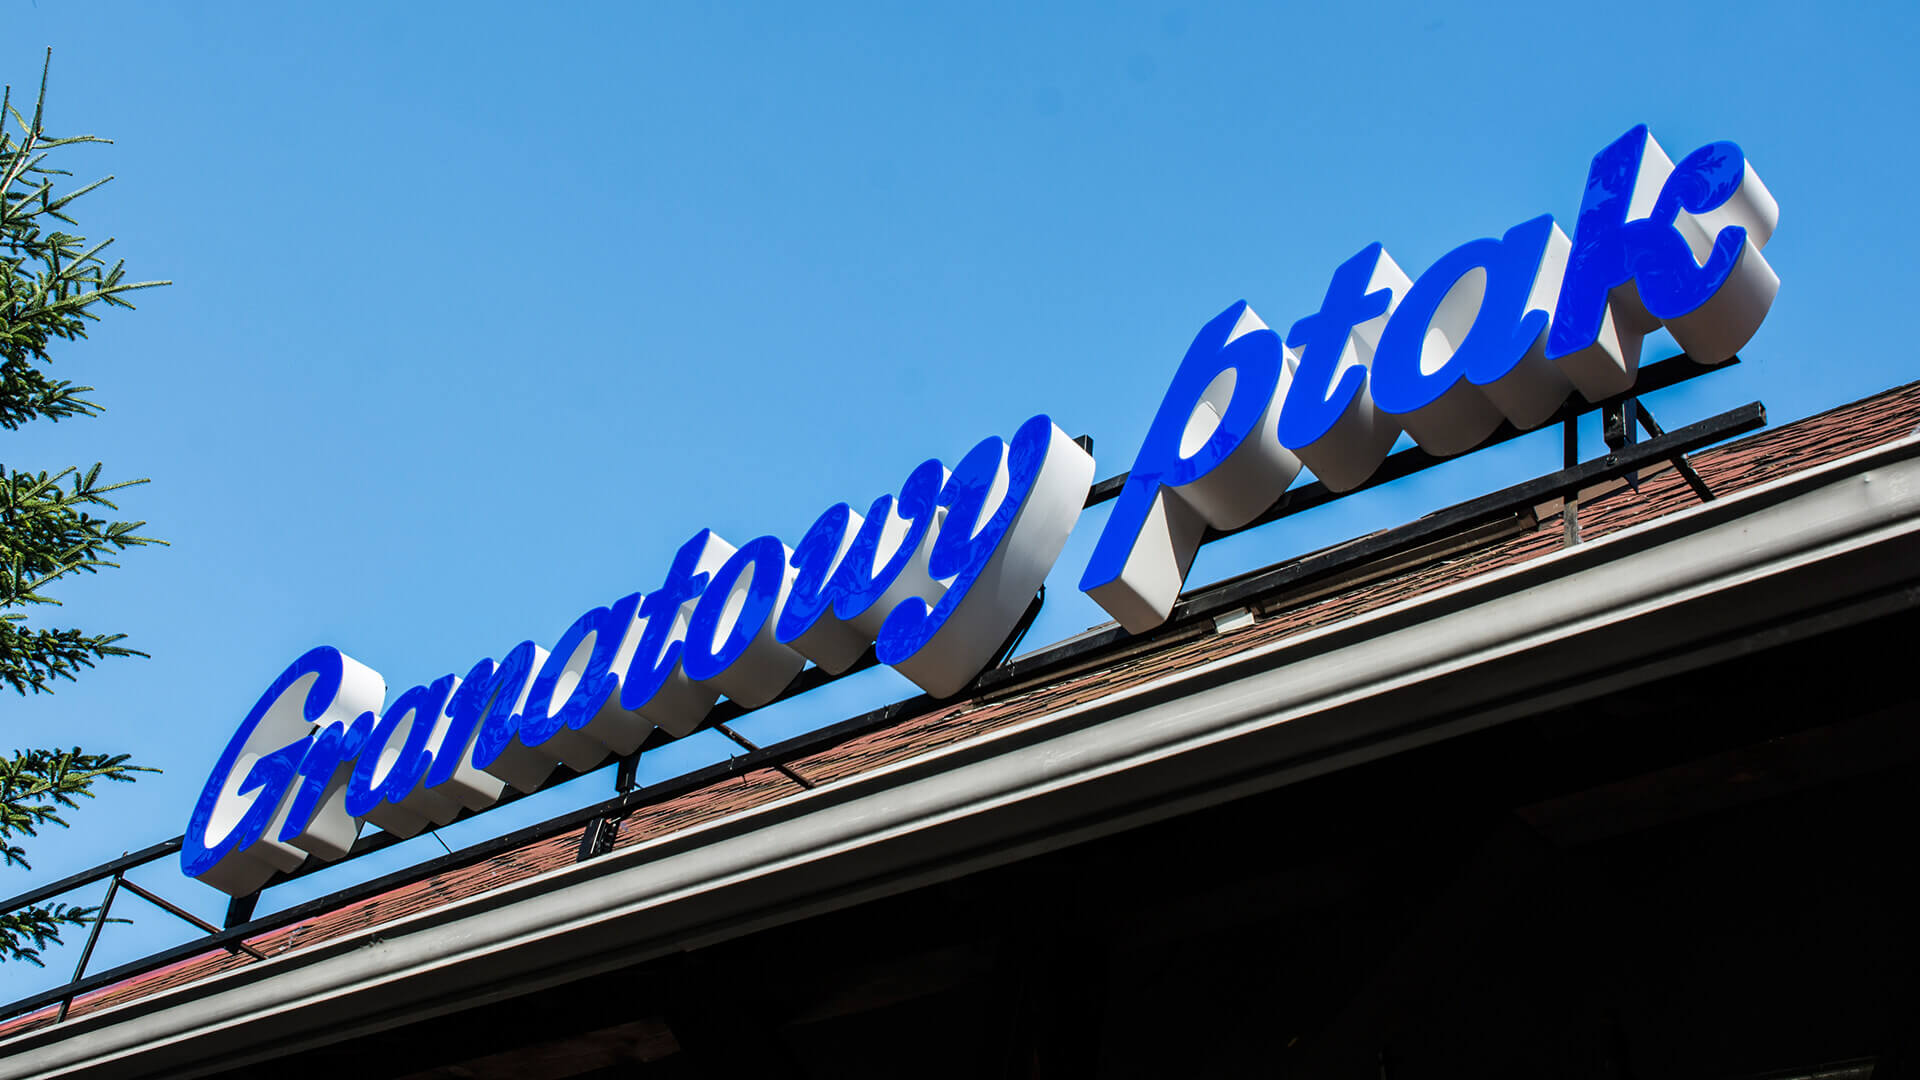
232	839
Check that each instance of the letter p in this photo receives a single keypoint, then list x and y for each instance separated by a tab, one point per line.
1212	457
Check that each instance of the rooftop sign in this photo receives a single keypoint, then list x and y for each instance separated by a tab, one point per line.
935	578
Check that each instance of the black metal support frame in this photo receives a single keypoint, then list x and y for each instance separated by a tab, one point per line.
102	915
598	823
93	938
1680	463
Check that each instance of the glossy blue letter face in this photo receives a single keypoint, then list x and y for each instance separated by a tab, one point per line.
501	722
468	705
1009	509
862	581
763	562
326	768
1328	419
596	680
815	556
1165	460
1663	244
1211	459
934	581
270	774
1499	329
1671	283
971	534
657	654
807	622
1462	350
234	839
419	707
1323	390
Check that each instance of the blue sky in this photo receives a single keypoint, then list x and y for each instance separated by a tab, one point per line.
480	310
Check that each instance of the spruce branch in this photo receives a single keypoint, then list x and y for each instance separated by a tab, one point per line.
53	283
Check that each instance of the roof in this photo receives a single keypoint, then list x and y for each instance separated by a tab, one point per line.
1746	463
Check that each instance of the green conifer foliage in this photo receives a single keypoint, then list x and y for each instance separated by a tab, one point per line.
52	283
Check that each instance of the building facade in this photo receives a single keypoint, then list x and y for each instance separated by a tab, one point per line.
1490	795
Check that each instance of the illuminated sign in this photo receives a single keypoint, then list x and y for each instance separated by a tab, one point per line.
935	578
1497	329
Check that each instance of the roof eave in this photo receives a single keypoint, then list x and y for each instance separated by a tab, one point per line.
1823	548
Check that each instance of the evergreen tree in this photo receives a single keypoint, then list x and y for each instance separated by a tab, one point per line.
51	284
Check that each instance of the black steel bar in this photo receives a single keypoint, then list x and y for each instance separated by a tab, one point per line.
1223	596
1413	459
1619	430
87	877
86	951
616	807
1680	462
1693	479
782	768
240	908
1106	490
1647	421
1202	603
1657	376
179	912
738	739
626	776
1020	628
597	838
1617	427
368	843
1481	511
809	678
1570	506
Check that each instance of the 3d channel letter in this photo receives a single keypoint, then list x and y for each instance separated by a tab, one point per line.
1009	509
1212	456
1329	419
1466	347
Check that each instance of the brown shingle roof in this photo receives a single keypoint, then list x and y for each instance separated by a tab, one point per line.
1746	463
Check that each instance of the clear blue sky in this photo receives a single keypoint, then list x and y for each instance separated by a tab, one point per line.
482	309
